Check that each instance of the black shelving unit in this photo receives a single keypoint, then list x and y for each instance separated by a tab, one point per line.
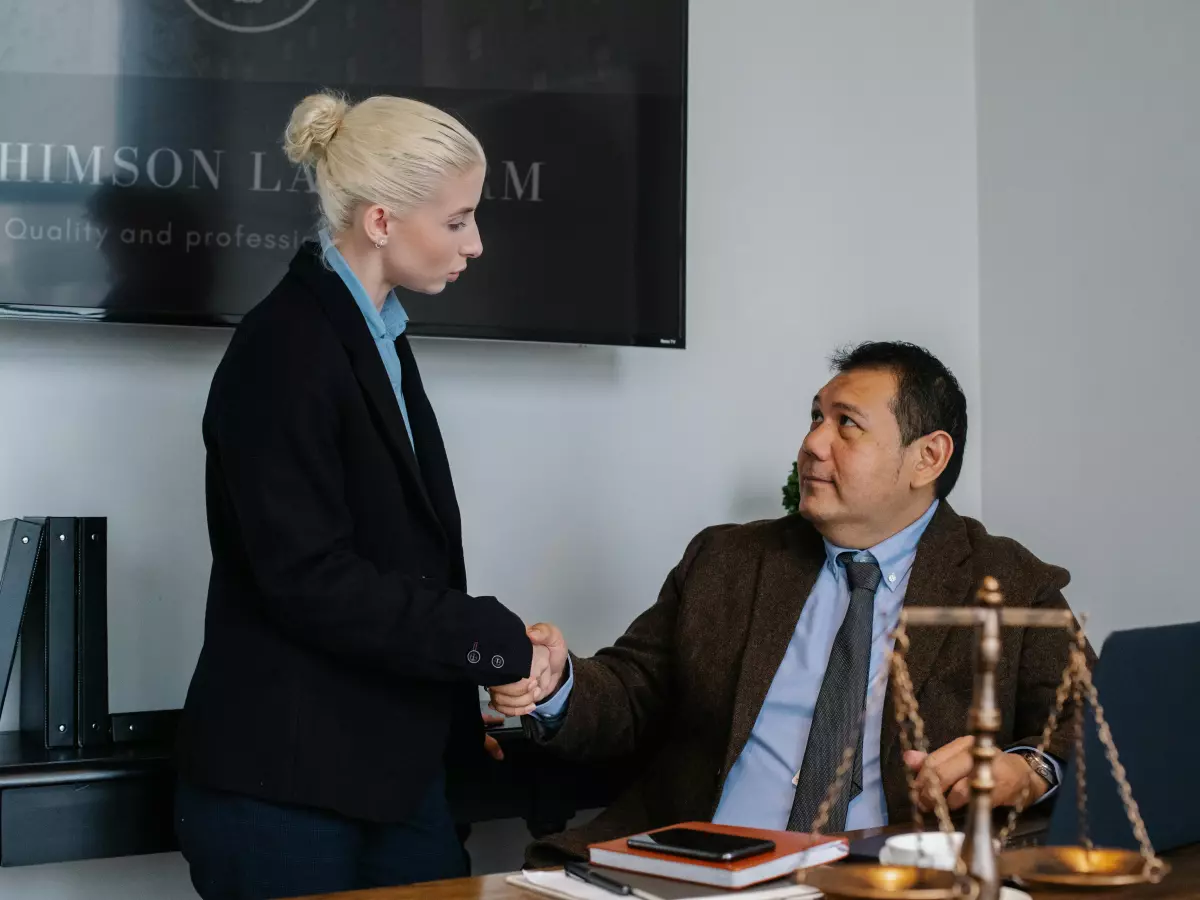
118	799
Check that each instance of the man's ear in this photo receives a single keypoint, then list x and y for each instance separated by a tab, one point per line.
933	455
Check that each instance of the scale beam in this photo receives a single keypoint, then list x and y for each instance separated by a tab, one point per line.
1021	618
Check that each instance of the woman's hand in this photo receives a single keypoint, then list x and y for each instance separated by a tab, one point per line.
490	744
546	675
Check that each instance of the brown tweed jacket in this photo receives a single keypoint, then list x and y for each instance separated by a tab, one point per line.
683	686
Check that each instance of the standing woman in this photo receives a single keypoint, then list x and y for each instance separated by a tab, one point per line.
341	650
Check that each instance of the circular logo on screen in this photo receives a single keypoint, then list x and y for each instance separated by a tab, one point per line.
250	16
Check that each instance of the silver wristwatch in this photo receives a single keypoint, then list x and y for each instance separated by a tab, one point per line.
1040	766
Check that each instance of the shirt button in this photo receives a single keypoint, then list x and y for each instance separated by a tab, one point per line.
892	578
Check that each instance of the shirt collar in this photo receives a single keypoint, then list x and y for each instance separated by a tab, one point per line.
894	555
388	322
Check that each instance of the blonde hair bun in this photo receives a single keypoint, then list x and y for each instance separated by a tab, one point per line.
394	151
315	121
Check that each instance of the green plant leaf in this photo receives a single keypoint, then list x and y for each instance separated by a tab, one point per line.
791	491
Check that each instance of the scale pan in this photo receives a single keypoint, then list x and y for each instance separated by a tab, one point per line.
872	881
1078	867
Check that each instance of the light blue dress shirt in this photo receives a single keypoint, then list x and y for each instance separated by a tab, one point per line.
758	792
386	324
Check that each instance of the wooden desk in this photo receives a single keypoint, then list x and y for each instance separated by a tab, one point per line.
1182	884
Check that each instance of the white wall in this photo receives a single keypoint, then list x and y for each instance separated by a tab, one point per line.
1089	197
831	199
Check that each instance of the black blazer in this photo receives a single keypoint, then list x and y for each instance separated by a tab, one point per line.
341	650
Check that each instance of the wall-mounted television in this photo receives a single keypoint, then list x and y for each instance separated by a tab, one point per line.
142	177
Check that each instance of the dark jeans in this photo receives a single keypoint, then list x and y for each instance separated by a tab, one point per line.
240	848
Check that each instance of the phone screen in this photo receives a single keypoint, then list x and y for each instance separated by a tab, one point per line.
701	844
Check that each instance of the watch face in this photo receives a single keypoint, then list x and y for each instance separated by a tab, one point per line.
250	16
1040	767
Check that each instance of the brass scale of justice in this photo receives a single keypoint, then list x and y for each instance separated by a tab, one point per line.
980	868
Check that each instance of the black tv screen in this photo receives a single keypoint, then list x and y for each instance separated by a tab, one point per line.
142	177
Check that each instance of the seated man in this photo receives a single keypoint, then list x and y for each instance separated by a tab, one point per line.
743	684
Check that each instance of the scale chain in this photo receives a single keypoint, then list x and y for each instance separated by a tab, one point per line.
906	710
1080	766
901	711
1065	688
1155	869
908	701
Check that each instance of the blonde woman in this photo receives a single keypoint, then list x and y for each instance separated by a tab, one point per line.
341	650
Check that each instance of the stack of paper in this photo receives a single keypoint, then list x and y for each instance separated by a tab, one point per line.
556	883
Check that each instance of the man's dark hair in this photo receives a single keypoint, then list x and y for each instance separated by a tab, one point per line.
928	397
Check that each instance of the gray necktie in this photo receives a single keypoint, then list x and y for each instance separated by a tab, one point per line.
838	713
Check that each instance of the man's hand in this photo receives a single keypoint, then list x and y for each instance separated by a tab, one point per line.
948	770
490	744
545	675
550	637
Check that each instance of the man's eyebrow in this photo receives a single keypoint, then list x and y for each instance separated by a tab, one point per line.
852	409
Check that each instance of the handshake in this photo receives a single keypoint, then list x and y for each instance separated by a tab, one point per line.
546	675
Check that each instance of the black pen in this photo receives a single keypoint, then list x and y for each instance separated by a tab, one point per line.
584	872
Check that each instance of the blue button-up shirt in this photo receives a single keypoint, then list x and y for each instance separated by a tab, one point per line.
759	790
386	324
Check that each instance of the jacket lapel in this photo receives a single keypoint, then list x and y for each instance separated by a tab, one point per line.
787	574
429	446
352	330
941	576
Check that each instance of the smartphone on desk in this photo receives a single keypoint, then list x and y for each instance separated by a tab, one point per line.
707	845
